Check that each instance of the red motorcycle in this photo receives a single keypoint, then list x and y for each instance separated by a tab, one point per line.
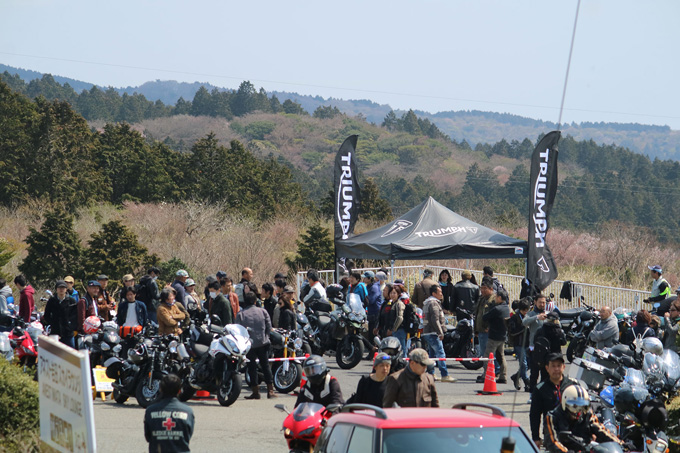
303	426
25	341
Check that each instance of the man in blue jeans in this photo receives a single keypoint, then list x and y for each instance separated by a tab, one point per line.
433	329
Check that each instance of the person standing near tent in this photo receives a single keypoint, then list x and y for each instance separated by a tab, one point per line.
465	293
446	283
422	289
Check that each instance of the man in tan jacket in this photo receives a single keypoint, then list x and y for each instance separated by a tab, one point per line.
422	289
434	327
412	386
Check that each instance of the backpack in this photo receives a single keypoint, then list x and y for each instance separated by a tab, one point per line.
238	289
411	321
541	349
144	293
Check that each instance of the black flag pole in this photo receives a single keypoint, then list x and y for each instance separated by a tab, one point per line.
346	197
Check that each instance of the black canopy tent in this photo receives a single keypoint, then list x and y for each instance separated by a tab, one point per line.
431	231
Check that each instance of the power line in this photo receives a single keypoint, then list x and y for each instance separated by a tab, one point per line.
357	90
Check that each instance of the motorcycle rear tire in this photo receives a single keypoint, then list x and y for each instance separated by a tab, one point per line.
286	382
229	392
119	397
349	353
469	354
147	396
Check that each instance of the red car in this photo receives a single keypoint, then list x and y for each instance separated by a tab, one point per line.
361	428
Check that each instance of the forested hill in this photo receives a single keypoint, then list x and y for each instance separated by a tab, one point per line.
472	126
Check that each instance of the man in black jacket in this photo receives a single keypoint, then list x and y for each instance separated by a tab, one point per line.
465	293
169	424
219	305
547	394
498	331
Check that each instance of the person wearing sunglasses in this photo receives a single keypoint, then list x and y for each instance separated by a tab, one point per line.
671	326
371	388
412	386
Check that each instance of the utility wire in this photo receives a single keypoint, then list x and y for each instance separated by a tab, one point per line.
357	90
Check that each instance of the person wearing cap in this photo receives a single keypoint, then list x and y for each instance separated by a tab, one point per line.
287	318
382	279
191	297
661	289
606	332
371	388
181	277
412	386
465	293
70	290
546	396
128	280
105	302
53	318
87	305
375	300
422	289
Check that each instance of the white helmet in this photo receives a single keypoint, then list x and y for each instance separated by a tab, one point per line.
575	399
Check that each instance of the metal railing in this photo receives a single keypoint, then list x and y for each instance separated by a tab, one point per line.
594	295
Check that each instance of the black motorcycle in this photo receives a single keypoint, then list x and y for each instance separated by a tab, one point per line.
459	341
339	331
579	332
101	345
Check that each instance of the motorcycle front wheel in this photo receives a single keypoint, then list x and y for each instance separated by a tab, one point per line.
229	391
471	353
349	353
119	397
576	348
147	394
287	381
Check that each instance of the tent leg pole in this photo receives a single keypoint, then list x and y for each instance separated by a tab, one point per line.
392	271
467	264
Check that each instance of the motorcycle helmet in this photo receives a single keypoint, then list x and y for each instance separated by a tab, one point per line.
625	401
334	294
654	414
391	346
91	324
315	369
653	345
575	401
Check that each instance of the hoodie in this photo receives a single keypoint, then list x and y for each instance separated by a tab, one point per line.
5	292
26	303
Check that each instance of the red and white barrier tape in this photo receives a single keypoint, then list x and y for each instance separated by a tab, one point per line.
459	359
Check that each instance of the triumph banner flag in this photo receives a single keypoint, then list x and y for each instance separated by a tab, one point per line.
347	194
541	269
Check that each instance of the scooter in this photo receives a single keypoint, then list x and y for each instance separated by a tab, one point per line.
303	426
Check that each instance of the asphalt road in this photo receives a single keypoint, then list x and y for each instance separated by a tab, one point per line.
255	426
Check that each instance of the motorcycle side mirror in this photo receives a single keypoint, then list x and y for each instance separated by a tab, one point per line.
282	408
552	296
49	292
214	319
333	408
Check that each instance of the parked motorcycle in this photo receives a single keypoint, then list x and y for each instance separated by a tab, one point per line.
216	368
580	332
459	341
25	338
101	345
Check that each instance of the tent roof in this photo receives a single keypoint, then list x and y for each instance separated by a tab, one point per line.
431	231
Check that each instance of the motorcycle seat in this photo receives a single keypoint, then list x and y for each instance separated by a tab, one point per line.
571	313
216	329
201	349
450	328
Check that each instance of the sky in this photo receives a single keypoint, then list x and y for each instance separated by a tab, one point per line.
501	56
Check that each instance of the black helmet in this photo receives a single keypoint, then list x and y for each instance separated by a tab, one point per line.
315	369
625	401
391	346
334	294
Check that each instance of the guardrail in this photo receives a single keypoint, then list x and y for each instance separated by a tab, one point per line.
594	295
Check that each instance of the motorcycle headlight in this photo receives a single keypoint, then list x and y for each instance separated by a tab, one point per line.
353	317
298	343
307	328
233	346
105	346
173	346
307	432
117	348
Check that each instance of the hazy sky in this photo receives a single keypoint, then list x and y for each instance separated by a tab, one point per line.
504	56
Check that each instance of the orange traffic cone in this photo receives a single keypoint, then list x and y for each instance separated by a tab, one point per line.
203	395
490	379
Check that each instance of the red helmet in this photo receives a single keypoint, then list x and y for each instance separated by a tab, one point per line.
91	324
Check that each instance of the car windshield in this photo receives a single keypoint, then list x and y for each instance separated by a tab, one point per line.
437	440
305	410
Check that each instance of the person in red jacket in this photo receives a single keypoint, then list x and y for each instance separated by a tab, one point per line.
26	302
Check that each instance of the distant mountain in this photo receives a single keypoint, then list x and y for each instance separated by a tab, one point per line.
471	125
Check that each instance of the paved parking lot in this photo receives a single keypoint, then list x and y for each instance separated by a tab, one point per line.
255	426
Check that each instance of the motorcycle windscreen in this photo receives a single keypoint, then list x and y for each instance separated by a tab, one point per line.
237	329
355	304
306	410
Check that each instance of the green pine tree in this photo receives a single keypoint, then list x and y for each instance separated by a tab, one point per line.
115	251
373	206
315	250
54	251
